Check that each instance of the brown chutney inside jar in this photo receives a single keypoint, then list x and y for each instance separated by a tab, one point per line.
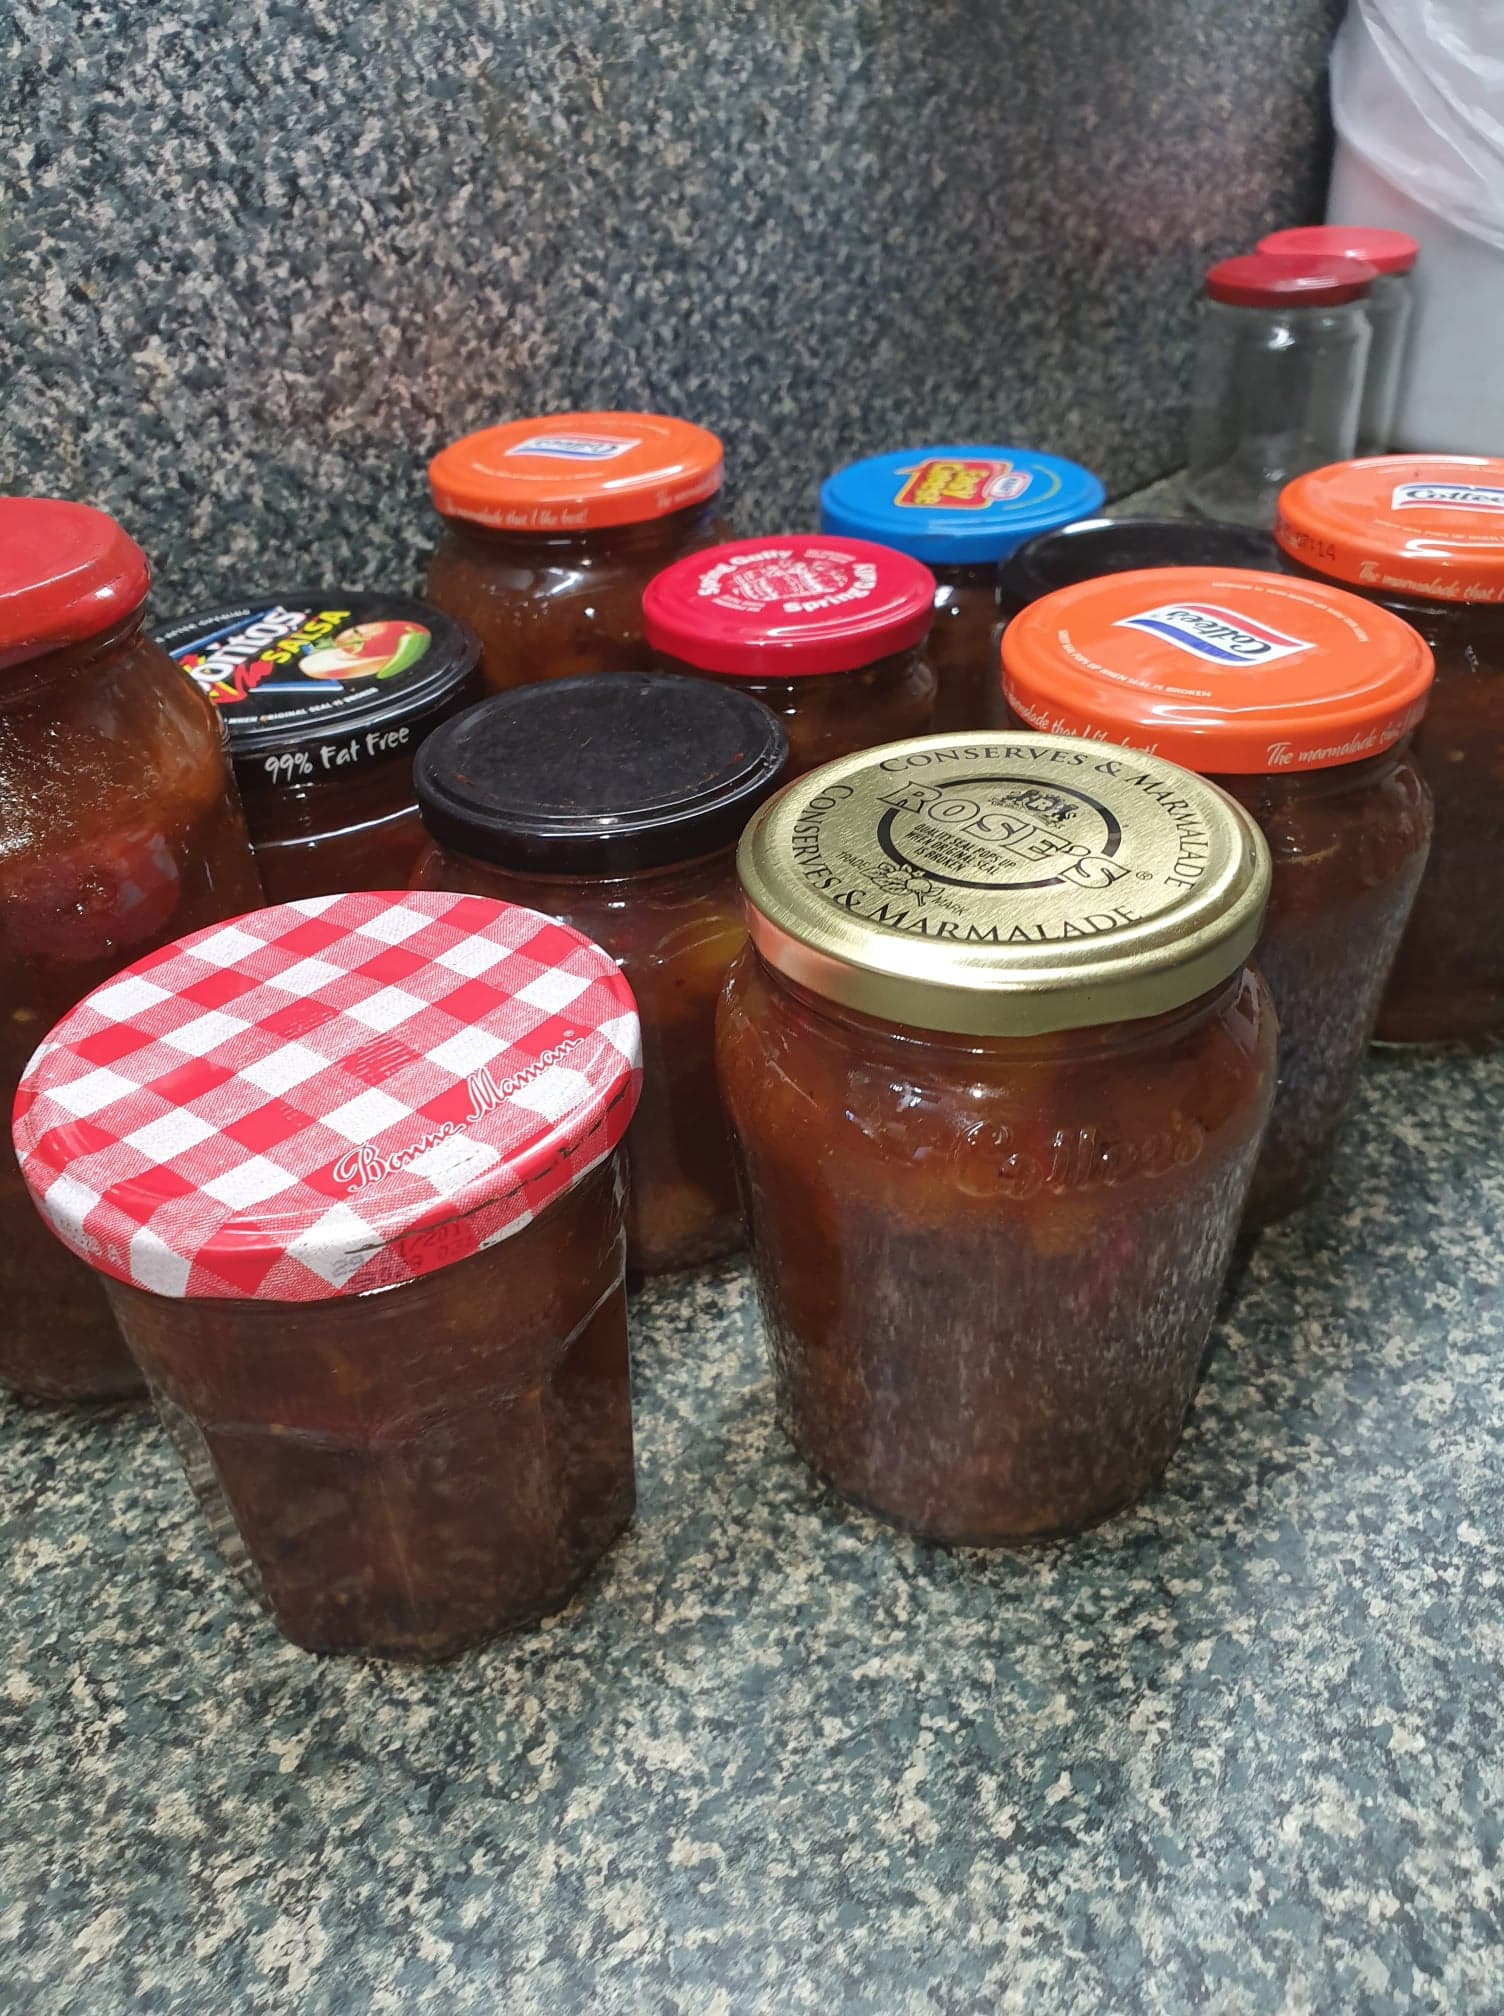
1300	701
617	805
997	1074
553	527
1423	537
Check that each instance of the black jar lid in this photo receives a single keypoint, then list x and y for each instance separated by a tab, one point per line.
314	682
605	774
1095	546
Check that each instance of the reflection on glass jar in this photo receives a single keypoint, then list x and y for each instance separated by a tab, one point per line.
554	526
1299	700
827	633
1423	536
382	1308
617	806
998	1076
120	828
326	697
961	510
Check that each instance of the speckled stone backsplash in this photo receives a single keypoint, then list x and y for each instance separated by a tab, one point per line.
263	258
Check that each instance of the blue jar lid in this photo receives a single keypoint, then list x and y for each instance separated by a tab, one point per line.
957	505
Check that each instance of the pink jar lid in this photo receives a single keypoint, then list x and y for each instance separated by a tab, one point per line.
327	1097
789	607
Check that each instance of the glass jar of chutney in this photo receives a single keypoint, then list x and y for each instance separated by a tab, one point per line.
1423	537
119	829
829	633
998	1073
617	805
326	697
962	511
352	1182
554	526
1300	701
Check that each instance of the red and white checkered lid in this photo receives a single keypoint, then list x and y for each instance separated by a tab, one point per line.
328	1097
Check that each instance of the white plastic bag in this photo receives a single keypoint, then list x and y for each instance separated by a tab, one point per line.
1418	91
1418	102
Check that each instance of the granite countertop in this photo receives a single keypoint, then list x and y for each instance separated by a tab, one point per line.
1239	1749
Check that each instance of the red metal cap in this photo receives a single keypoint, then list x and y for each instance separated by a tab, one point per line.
1385	251
67	573
1288	280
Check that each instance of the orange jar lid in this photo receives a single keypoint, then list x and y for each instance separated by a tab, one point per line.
571	472
1427	526
1217	669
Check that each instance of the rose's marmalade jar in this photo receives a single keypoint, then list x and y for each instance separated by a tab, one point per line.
827	632
962	511
1424	536
119	828
554	526
349	1172
326	697
998	1074
1300	701
617	804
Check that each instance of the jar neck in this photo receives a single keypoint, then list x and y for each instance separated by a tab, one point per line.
1265	789
1429	615
1058	1046
715	866
641	537
32	677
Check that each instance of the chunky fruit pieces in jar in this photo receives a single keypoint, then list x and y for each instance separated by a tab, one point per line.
121	828
988	1267
405	1473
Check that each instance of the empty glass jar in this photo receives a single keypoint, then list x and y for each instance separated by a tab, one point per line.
1389	304
1279	378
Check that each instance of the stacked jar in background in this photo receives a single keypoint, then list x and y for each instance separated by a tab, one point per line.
1299	363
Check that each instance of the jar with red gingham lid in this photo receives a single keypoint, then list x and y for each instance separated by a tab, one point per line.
350	1173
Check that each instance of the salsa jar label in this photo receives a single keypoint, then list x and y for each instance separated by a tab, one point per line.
311	684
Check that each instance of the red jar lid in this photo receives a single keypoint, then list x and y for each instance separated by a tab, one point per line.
67	573
1217	669
789	607
570	472
1385	251
328	1097
1288	280
1427	526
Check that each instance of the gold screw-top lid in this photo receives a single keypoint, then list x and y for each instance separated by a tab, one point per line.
1004	885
